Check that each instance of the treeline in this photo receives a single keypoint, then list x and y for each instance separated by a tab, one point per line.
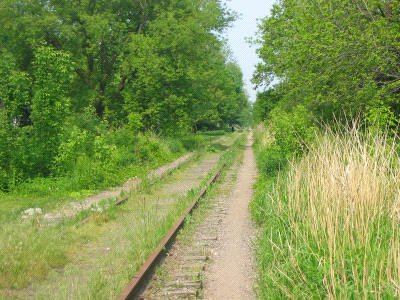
339	59
72	70
328	150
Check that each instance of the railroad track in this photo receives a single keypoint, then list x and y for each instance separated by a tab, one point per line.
139	282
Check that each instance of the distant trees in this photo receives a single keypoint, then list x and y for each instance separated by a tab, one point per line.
335	57
144	64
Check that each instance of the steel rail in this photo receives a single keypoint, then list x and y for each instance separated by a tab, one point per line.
140	280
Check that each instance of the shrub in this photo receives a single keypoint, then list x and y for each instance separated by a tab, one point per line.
292	130
75	143
193	142
5	131
380	117
289	133
151	148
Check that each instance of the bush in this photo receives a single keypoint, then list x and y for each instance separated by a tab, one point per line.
5	131
193	142
151	148
380	117
289	133
75	143
292	130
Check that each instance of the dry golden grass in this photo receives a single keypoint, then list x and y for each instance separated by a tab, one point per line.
333	226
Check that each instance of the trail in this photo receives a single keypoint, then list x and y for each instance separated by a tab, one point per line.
181	275
230	275
214	259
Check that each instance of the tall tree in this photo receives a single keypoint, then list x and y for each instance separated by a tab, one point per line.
334	56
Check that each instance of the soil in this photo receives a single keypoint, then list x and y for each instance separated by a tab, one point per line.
231	273
181	274
213	258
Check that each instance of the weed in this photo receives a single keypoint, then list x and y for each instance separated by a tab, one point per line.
330	221
123	237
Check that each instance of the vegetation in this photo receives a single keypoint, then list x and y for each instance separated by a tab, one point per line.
328	150
339	59
119	155
74	74
102	247
330	220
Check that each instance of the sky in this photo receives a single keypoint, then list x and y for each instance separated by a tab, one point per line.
246	26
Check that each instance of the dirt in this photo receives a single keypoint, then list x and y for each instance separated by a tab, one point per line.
213	258
181	275
231	273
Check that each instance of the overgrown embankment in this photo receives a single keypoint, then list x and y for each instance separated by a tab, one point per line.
329	217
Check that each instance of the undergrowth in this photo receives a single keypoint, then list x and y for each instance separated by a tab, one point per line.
87	167
329	217
30	250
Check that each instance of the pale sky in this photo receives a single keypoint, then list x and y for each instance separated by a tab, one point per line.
246	26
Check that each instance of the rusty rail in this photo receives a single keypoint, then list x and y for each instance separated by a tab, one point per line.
139	281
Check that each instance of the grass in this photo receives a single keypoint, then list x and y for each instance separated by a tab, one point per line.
89	176
330	221
92	255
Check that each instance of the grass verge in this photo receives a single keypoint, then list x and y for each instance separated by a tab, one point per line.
330	220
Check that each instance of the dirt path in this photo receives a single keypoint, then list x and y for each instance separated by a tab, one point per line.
212	257
230	275
182	272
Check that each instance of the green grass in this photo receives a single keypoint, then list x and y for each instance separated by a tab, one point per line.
329	220
89	176
33	251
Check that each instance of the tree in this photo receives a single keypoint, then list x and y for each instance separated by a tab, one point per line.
335	57
50	103
147	65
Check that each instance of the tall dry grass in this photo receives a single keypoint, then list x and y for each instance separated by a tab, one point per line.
333	221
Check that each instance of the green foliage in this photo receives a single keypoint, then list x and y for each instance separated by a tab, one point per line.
380	117
328	224
14	89
72	73
5	140
338	59
291	132
135	121
265	103
50	104
150	148
74	144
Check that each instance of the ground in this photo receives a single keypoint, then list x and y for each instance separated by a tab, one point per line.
213	258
